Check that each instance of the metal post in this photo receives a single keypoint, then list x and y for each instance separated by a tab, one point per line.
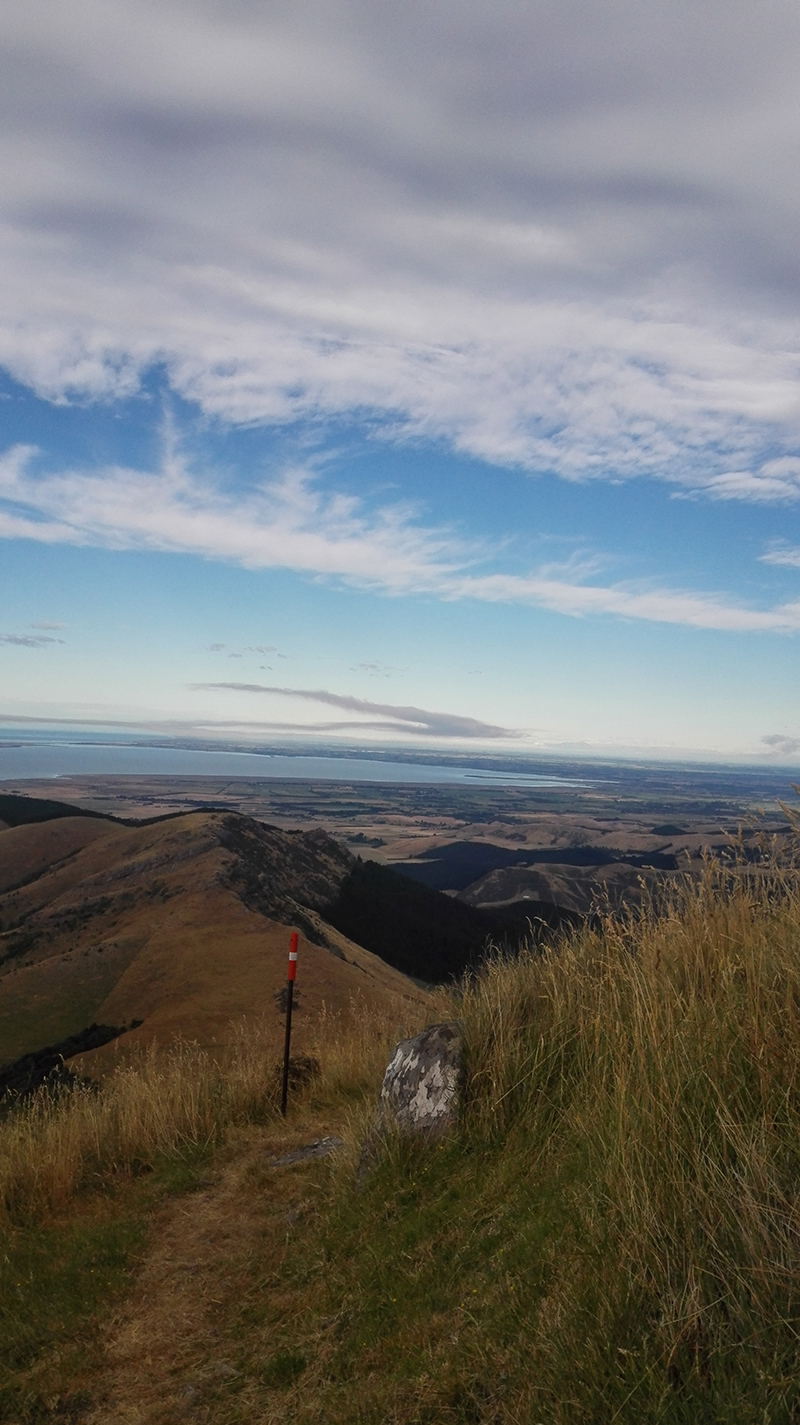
289	998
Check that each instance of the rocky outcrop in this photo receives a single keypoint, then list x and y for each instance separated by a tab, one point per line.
320	1148
421	1091
284	874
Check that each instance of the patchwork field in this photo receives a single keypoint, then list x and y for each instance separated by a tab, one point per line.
563	845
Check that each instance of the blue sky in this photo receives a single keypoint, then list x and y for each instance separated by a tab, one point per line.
422	373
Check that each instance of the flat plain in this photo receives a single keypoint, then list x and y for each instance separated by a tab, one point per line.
641	811
625	804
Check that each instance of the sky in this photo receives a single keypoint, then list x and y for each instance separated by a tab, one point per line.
422	373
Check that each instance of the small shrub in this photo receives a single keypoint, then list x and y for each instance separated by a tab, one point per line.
283	1368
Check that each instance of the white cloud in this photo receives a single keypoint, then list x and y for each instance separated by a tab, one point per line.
562	237
288	524
774	482
653	605
291	524
782	554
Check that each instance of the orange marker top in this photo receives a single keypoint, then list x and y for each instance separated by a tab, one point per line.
293	955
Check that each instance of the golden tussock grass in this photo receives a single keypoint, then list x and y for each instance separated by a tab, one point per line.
649	1069
614	1232
165	1101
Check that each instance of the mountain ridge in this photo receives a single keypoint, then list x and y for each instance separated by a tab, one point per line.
175	924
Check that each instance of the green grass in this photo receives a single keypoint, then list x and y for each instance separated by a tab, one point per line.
44	1004
467	1288
59	1279
54	1282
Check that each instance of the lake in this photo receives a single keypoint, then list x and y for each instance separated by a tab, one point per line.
39	755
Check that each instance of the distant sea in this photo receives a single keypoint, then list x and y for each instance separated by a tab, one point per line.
37	754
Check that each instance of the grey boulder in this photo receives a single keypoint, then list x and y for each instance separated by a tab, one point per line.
421	1086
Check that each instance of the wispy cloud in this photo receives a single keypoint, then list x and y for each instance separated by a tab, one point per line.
393	718
653	605
28	640
287	523
374	670
775	482
447	725
290	523
782	554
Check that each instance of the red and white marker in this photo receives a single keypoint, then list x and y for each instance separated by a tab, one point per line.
290	979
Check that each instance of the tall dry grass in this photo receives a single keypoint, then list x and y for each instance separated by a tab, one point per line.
659	1055
353	1049
168	1101
57	1143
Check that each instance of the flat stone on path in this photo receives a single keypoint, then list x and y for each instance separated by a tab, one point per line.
320	1148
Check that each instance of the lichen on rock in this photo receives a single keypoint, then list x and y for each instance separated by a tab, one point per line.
421	1086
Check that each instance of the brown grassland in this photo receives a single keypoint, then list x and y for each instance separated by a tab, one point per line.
107	923
612	1233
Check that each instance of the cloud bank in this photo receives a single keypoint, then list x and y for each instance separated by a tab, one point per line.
561	237
781	745
416	721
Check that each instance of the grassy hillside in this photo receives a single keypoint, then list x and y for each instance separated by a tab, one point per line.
417	930
182	924
17	810
612	1234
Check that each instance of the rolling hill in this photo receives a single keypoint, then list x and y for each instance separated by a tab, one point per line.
179	927
182	923
557	882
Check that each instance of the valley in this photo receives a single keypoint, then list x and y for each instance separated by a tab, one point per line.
168	901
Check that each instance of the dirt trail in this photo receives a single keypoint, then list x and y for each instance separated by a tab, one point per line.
169	1348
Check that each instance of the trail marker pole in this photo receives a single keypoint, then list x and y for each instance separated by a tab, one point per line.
290	977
